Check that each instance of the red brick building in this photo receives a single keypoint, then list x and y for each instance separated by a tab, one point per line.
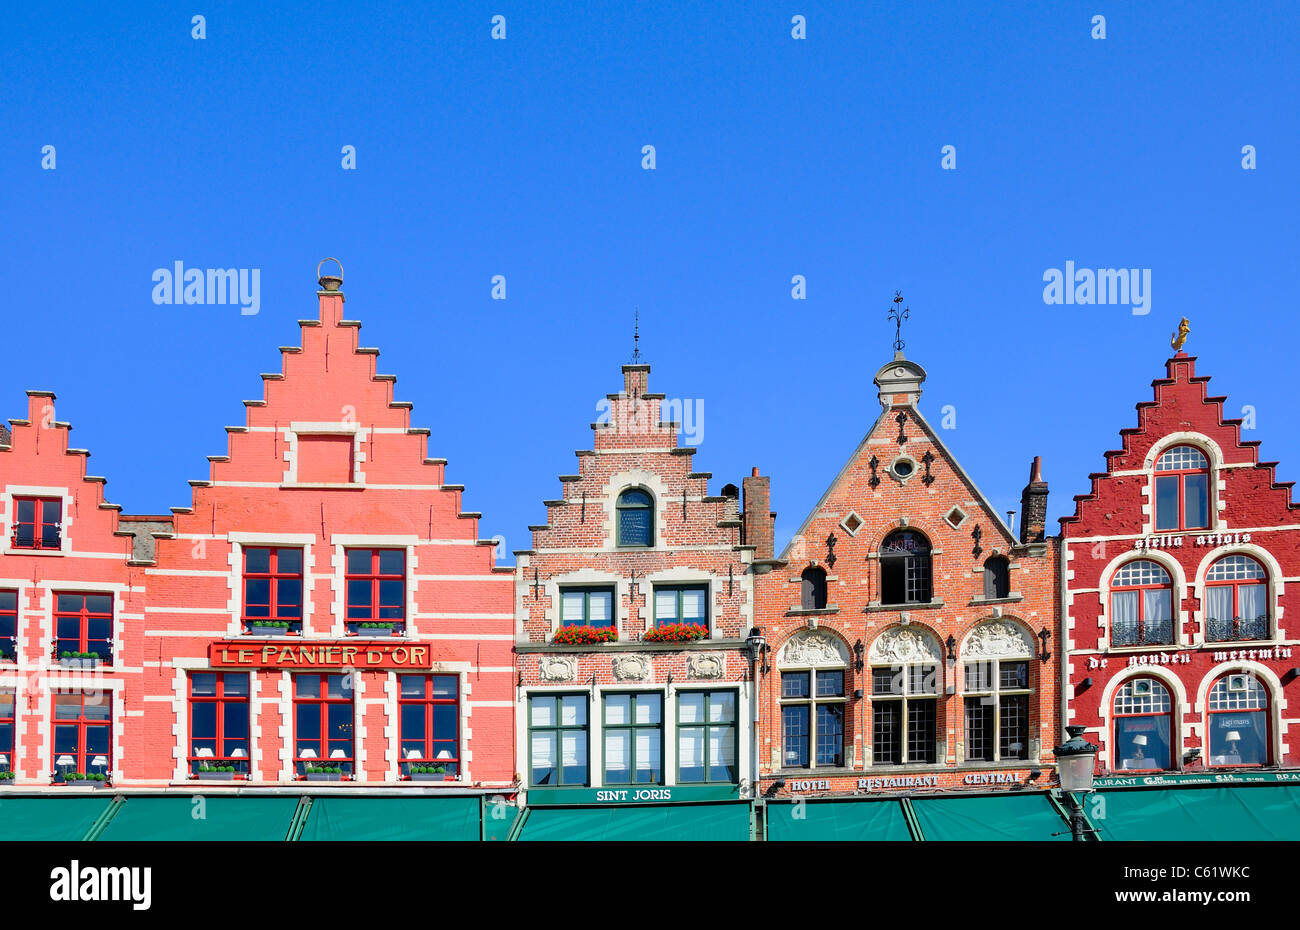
323	611
1177	594
913	638
634	606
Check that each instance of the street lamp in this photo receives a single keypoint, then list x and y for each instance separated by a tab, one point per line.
1075	761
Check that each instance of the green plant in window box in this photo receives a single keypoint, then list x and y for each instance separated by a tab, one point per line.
6	776
210	772
376	627
69	657
270	627
676	633
323	772
584	635
430	773
93	779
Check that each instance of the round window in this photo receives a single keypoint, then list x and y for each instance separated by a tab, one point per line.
903	467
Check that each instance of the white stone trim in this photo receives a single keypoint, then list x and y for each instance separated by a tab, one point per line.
1179	714
291	433
1179	592
1276	587
1276	704
646	480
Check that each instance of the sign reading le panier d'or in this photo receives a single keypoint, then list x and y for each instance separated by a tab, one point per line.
320	654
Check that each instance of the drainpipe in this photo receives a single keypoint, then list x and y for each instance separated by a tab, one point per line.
757	643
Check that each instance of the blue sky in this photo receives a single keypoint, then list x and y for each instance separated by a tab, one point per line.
774	157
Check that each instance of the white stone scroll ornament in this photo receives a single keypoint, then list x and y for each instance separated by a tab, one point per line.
706	665
997	639
631	668
904	644
813	649
557	668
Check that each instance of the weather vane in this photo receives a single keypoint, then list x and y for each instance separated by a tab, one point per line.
636	338
898	314
1180	337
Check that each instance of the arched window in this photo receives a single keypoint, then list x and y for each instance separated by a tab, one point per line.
905	568
1143	723
1182	490
906	678
997	577
813	665
813	595
997	656
1236	600
1238	724
636	522
1141	605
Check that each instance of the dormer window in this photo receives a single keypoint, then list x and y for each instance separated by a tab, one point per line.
905	568
636	522
997	577
1182	490
813	593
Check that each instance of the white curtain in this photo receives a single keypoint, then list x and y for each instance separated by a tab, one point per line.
665	606
693	605
1123	618
1218	612
1159	623
1253	611
573	607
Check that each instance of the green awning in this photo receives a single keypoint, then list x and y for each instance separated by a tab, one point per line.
393	818
50	818
837	820
990	817
675	822
1265	812
498	821
201	818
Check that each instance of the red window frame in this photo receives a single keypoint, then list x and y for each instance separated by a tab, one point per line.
9	747
82	758
1181	475
83	616
1117	715
1237	584
375	577
1266	710
323	701
1141	589
273	576
222	701
8	621
428	701
38	523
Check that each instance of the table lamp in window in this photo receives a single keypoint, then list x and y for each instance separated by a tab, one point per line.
443	754
239	754
338	754
65	761
203	752
308	754
4	760
100	762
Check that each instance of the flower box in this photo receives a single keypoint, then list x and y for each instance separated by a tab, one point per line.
676	633
584	635
215	776
79	660
324	776
269	629
432	776
7	779
372	629
85	782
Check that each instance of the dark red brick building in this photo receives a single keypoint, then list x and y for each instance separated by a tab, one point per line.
1179	582
913	637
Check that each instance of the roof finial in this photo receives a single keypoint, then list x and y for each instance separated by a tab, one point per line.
898	313
636	338
1180	337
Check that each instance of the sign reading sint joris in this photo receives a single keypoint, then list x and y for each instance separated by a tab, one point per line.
325	654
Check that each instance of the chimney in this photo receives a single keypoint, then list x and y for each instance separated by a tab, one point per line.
758	517
635	379
1033	505
330	293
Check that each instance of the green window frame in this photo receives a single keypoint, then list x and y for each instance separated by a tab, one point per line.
681	590
644	740
710	737
567	596
565	775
